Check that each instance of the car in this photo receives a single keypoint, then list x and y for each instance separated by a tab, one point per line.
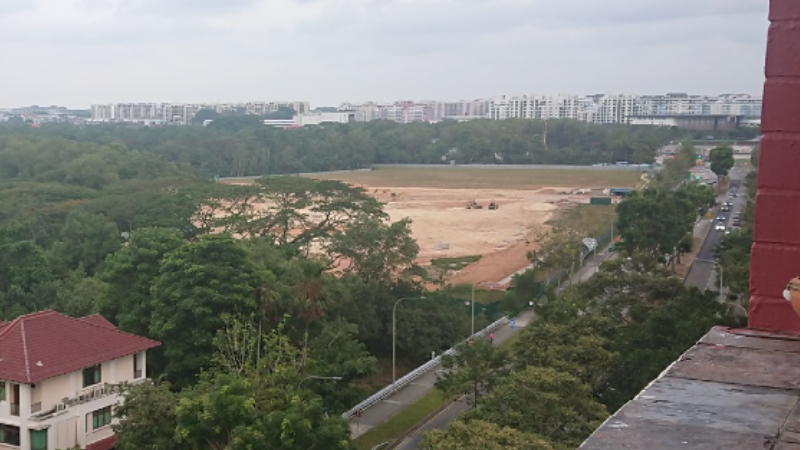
719	226
726	208
720	218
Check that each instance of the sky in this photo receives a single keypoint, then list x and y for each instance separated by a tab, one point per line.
79	52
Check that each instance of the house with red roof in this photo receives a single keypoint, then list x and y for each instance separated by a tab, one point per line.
60	378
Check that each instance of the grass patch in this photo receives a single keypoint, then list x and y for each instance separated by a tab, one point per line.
440	266
484	297
454	263
401	422
501	178
593	220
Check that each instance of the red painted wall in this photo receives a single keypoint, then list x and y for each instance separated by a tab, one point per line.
776	248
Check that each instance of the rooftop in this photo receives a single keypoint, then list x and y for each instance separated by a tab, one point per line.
736	389
46	344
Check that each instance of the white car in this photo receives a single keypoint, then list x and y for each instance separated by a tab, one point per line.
720	227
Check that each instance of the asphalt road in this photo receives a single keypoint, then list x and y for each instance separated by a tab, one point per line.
700	273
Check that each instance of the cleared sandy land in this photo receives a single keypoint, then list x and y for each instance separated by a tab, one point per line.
445	228
436	199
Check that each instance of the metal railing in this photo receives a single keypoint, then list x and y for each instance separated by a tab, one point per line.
416	373
36	407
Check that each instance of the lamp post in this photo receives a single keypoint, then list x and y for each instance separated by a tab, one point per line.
394	333
317	377
720	272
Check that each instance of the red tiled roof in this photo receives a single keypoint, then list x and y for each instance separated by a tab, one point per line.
46	344
100	321
103	444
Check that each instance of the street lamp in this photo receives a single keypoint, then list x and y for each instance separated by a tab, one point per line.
317	377
720	272
394	333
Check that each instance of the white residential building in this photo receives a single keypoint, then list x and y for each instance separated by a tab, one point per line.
59	378
183	113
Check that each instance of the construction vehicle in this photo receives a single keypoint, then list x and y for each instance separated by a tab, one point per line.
493	205
472	204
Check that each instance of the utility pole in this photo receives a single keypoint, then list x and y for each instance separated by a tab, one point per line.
473	310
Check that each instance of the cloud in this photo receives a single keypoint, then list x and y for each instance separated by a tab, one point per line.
77	52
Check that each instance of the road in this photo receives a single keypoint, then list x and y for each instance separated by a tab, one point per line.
700	274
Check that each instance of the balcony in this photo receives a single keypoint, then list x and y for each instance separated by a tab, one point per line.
14	409
735	389
36	407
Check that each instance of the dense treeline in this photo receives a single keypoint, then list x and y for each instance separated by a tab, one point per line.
242	146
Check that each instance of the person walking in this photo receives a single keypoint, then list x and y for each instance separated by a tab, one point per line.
491	338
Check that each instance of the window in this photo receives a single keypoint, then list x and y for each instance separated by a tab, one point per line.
101	417
9	435
38	439
2	391
91	375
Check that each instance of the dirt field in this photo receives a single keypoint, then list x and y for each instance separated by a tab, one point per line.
436	199
455	178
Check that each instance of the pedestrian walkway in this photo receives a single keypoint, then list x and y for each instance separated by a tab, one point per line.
385	409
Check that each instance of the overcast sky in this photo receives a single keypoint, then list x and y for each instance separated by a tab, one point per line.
78	52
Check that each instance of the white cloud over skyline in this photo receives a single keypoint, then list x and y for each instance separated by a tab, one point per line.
78	52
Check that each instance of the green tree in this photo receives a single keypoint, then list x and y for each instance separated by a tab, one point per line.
579	347
293	211
374	250
560	249
198	285
84	241
654	221
545	402
129	274
337	352
721	160
482	435
472	370
147	418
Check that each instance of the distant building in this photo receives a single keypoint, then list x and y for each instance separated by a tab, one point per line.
58	378
689	121
183	113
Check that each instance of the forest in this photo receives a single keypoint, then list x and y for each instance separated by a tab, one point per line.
234	146
127	223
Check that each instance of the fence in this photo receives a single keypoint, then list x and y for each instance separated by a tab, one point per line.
416	373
